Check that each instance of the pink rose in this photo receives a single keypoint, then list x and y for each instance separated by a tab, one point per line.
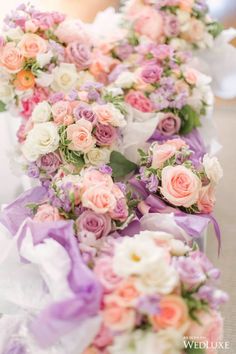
98	198
126	293
94	177
62	113
121	211
98	224
80	136
106	275
139	101
118	318
105	135
46	213
79	54
206	201
104	114
169	124
72	31
191	76
11	58
104	338
195	32
151	74
180	186
149	23
209	330
162	153
177	143
31	45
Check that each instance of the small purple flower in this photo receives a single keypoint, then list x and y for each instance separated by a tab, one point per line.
149	305
122	186
215	297
73	95
190	271
152	183
105	169
33	171
56	97
84	111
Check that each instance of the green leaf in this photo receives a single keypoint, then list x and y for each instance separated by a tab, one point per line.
215	28
191	349
189	119
2	107
121	167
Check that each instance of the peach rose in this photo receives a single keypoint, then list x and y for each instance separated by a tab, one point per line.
162	153
31	45
62	113
190	76
80	136
206	199
118	318
24	80
173	313
70	31
47	212
11	58
91	350
105	115
177	143
126	294
105	273
149	23
93	177
186	5
210	330
195	31
98	198
180	186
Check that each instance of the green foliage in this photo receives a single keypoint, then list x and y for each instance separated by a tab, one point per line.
117	101
194	304
192	350
215	28
2	107
189	118
121	167
73	157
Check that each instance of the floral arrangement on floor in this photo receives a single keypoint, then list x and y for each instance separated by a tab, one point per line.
180	23
102	257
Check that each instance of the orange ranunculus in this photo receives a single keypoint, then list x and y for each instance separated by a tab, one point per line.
25	80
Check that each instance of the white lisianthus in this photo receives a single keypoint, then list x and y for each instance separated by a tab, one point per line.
125	80
129	343
6	92
44	58
178	248
179	44
118	119
42	139
169	341
42	112
15	34
135	256
64	77
212	168
97	156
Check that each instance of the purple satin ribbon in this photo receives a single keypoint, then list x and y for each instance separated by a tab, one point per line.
193	224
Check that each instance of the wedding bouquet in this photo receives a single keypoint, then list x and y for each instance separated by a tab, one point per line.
184	24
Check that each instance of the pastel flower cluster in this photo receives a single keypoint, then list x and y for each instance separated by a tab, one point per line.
40	52
81	128
159	80
97	204
156	290
184	24
168	171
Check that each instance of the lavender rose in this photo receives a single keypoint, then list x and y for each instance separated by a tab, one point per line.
172	27
169	124
84	111
123	51
98	224
105	134
151	74
79	54
121	211
190	272
49	162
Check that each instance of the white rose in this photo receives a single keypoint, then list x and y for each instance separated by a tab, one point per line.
41	112
169	341
15	34
196	98
129	343
84	77
44	58
42	139
179	44
97	156
6	92
183	18
64	77
125	80
161	278
212	168
178	248
44	79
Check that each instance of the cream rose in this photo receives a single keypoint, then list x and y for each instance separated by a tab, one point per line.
180	186
42	139
42	112
65	77
126	80
6	92
97	156
213	168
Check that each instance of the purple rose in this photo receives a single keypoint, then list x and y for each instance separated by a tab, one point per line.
121	211
84	111
49	162
123	51
171	27
79	54
151	74
98	224
105	134
190	271
169	124
33	171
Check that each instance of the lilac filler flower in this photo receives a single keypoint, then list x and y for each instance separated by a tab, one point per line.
98	224
190	272
149	304
84	111
151	73
106	169
152	183
33	171
215	297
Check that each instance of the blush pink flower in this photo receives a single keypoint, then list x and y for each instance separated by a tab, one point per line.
139	101
98	198
72	31
180	186
126	293
121	211
80	136
149	23
207	199
169	124
62	113
177	143
79	54
104	338
31	45
106	275
98	224
94	177
46	213
11	58
162	153
118	318
191	76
